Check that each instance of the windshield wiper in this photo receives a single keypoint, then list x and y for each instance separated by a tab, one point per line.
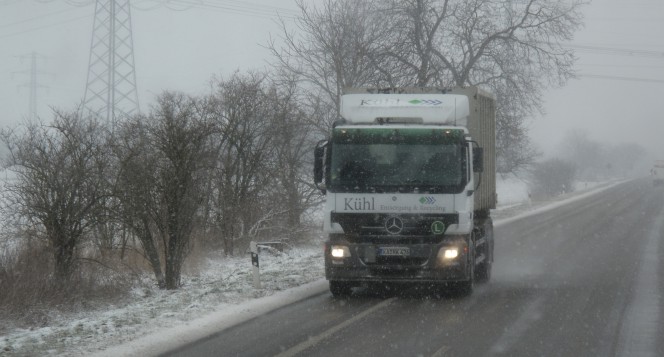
414	181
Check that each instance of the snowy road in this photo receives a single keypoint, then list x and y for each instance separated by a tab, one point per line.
585	279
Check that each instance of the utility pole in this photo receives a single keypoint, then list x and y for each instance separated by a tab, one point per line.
33	85
111	91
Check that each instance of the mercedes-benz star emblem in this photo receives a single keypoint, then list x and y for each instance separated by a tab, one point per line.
393	225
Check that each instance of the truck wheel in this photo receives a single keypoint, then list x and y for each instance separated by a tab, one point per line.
340	288
466	287
483	272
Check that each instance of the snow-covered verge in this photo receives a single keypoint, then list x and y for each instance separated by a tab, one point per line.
222	284
218	295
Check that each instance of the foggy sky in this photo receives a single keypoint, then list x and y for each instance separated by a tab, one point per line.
175	48
181	48
618	110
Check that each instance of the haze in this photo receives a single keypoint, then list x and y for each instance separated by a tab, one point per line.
616	98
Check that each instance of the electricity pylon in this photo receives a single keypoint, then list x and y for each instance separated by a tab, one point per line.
33	85
110	91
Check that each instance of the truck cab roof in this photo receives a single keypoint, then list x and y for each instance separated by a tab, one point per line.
416	108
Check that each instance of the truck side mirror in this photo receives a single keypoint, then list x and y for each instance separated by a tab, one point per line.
319	163
319	153
478	159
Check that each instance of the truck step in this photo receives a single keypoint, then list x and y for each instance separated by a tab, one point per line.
480	258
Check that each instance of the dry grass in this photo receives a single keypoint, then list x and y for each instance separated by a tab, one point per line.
29	294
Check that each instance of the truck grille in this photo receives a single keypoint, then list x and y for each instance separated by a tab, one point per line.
372	226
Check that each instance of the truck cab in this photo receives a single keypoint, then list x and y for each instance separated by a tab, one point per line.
401	173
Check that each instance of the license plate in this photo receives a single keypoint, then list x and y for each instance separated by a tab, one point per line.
394	251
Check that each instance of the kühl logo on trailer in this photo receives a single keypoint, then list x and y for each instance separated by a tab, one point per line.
426	102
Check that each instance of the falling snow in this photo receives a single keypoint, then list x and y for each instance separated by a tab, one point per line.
220	294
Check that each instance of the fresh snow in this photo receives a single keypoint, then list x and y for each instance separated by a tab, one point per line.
217	295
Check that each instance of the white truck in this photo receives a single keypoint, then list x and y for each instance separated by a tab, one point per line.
409	179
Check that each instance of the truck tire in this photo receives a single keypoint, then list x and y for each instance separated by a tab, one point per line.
466	287
483	270
340	288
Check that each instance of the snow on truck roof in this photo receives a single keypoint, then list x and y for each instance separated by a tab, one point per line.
367	108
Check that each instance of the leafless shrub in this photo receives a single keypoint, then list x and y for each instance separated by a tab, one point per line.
58	185
163	160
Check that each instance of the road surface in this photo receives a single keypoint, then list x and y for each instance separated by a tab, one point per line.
585	279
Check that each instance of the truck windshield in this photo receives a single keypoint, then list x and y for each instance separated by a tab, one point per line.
398	160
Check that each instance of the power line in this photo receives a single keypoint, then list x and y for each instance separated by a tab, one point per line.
237	8
621	78
36	18
615	51
247	9
619	65
244	6
45	26
261	6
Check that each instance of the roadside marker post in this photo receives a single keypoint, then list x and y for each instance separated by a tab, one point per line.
253	247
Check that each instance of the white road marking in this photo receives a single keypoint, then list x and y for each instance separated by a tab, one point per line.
441	351
293	351
531	314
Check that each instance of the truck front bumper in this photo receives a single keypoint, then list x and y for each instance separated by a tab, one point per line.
422	263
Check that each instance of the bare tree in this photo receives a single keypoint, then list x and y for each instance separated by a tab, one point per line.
164	160
515	151
513	48
258	187
137	195
339	48
242	171
60	180
418	34
586	154
596	160
293	137
553	177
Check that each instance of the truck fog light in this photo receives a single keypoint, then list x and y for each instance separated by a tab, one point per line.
340	251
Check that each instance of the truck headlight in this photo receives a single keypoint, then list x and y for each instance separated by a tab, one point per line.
448	253
340	251
451	253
